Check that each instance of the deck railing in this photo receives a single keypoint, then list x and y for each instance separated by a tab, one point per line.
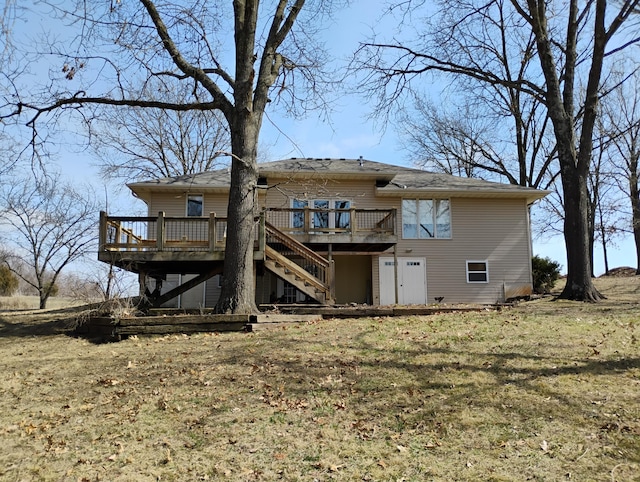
332	221
162	233
208	234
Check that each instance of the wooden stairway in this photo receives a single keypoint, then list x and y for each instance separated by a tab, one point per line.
298	265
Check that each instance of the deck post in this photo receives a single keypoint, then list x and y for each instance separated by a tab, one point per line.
102	231
353	224
160	233
212	232
307	220
261	233
393	220
332	281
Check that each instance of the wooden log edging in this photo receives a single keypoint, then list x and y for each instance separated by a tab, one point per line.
111	328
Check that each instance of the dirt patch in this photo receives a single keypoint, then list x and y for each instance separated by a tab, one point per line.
621	272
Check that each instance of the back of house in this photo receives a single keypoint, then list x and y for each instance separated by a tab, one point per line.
389	234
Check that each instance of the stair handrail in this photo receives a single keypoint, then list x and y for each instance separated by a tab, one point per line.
296	246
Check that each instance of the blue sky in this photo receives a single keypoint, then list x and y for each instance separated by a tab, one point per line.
348	134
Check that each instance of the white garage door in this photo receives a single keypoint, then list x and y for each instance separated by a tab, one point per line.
412	281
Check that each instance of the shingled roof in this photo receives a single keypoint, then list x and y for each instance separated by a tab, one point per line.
391	180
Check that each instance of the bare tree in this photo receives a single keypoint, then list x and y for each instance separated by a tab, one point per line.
621	121
471	140
570	44
137	144
237	62
445	139
47	226
497	128
604	199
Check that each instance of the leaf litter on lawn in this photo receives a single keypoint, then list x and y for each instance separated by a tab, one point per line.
543	391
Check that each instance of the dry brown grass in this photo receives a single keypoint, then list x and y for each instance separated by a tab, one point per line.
545	391
23	302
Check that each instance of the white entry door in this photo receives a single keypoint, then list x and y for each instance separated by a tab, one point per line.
412	281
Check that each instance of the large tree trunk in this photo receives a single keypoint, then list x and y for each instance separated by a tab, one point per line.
245	119
238	284
579	284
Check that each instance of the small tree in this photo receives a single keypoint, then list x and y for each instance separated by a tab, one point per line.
49	225
8	282
545	274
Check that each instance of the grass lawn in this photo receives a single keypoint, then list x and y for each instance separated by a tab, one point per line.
545	391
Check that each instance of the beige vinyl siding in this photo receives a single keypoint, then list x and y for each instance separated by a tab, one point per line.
174	204
495	230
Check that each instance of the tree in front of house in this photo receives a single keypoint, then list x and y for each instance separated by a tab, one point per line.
238	58
46	226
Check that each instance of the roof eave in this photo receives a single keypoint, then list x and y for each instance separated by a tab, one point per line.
530	195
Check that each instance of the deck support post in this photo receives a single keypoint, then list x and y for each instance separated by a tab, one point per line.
332	281
262	233
395	272
142	282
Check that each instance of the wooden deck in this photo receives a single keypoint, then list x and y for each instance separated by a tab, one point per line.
295	244
182	244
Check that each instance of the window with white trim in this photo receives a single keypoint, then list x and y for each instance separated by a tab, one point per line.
426	219
477	271
195	203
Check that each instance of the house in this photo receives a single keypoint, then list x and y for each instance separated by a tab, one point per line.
332	231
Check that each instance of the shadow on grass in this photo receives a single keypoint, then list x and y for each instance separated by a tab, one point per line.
28	323
430	386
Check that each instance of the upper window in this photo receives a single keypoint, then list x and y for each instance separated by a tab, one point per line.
477	272
426	218
195	205
326	213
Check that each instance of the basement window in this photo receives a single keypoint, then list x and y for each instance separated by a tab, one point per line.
477	272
